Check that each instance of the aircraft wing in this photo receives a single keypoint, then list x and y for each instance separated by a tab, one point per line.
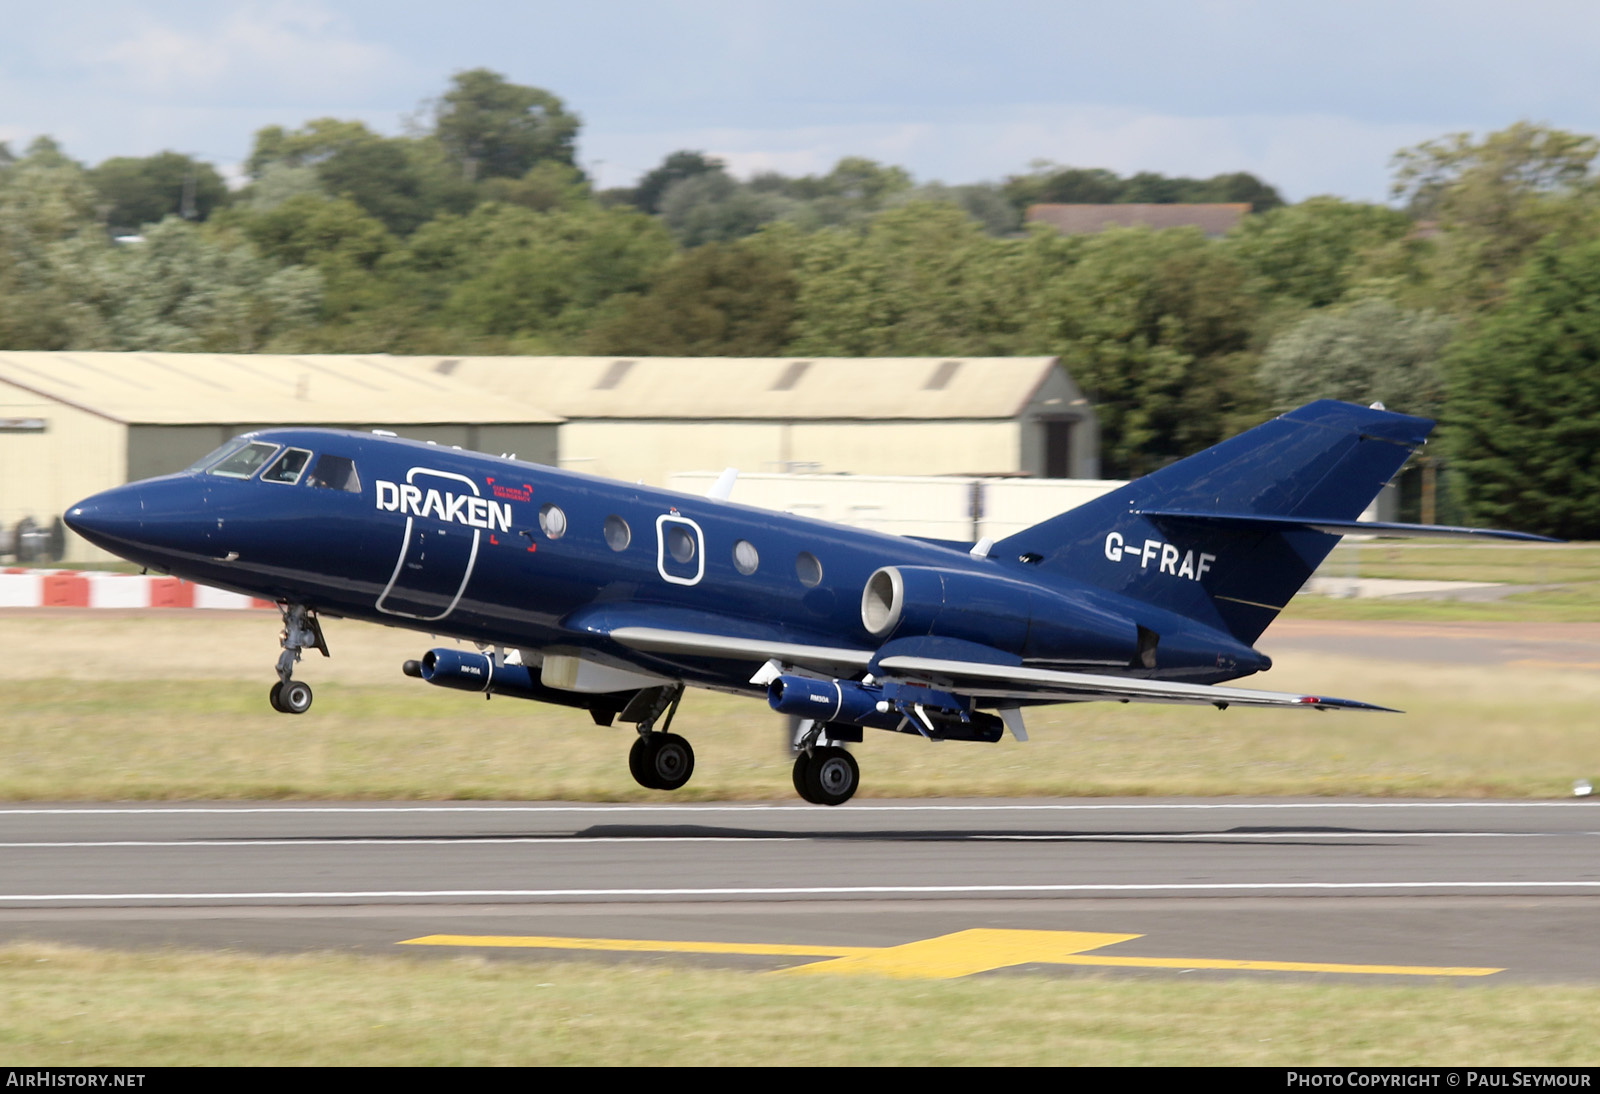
974	679
1017	682
664	640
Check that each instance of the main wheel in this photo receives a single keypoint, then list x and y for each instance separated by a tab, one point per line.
671	760
832	776
802	765
294	697
275	697
639	764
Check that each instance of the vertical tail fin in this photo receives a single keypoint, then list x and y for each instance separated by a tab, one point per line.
1182	538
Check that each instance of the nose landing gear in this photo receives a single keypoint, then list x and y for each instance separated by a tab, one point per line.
300	629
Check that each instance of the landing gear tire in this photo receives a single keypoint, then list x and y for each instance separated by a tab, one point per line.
290	697
831	777
661	761
639	765
802	765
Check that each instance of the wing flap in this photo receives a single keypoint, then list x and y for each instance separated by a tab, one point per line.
1052	685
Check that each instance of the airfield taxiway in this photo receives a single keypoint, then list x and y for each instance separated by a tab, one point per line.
1313	886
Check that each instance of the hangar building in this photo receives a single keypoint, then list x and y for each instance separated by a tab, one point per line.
645	418
74	423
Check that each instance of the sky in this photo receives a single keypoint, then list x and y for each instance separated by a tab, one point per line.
1315	98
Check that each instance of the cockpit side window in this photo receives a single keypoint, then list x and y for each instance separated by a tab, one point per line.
244	462
287	467
335	473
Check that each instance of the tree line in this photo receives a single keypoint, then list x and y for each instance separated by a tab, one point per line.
1474	297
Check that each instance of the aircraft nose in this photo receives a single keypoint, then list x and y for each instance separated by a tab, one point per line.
109	519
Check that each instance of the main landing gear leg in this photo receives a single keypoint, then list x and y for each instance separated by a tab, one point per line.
658	761
824	774
300	629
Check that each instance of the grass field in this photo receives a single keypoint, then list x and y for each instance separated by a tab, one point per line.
147	1009
173	706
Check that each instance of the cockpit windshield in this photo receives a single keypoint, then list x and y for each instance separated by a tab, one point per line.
216	454
245	461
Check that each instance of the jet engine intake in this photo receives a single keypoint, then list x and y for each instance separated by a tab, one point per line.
993	610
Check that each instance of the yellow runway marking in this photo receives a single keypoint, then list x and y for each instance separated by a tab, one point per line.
944	957
967	952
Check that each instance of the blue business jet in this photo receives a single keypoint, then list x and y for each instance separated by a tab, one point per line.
612	598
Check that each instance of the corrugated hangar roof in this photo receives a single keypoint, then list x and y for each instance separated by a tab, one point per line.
308	389
709	388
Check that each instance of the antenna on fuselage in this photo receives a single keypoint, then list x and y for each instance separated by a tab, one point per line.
724	484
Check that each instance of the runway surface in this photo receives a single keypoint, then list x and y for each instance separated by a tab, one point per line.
1160	888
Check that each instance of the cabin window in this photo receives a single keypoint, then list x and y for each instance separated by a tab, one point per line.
335	473
618	534
745	557
808	569
553	521
680	544
287	467
244	462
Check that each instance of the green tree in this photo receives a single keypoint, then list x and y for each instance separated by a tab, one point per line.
719	300
983	202
136	191
546	186
649	191
711	207
401	181
180	291
45	201
1494	199
493	128
511	272
1310	253
369	300
1157	329
1370	350
923	279
1051	183
1523	421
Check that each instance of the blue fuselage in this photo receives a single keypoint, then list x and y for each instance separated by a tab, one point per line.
503	552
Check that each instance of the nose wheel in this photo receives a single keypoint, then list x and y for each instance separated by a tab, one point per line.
827	775
300	629
293	697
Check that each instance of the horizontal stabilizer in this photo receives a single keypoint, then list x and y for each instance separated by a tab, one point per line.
1338	527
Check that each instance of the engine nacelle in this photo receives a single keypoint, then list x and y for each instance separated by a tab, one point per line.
993	610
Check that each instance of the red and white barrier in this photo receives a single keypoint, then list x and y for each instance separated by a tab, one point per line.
20	588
